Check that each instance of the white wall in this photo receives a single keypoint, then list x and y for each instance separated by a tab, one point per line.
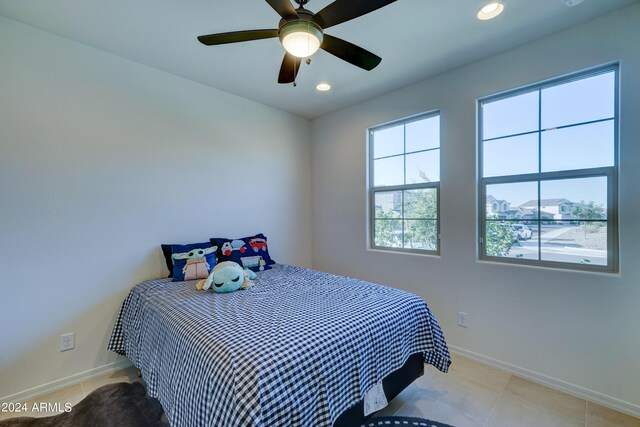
582	329
101	161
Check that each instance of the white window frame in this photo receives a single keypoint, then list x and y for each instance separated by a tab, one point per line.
610	172
383	189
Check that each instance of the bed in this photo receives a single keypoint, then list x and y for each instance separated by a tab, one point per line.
300	348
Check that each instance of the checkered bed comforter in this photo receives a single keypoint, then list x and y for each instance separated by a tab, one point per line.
297	349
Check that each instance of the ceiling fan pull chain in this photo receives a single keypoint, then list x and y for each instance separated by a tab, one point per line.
308	42
308	61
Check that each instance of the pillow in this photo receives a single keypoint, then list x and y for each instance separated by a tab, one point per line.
250	252
168	250
193	265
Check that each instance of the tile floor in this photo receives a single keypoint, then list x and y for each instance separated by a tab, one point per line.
476	395
470	395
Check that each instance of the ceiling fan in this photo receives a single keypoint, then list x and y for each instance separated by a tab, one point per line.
301	32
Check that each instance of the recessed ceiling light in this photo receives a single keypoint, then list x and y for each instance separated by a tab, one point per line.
572	3
491	10
323	87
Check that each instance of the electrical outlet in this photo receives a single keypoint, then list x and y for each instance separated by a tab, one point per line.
463	319
67	341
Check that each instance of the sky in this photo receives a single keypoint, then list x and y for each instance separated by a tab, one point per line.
522	138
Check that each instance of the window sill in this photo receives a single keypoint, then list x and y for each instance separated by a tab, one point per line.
551	269
405	252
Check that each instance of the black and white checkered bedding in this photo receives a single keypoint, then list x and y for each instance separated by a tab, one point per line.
297	349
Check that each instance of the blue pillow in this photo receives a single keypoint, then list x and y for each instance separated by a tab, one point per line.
169	249
193	265
250	252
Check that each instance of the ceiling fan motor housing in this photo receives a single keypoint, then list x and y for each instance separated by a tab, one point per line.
300	28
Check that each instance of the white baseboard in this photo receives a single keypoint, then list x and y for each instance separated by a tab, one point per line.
563	386
66	382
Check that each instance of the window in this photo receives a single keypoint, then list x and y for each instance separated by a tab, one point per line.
404	185
548	173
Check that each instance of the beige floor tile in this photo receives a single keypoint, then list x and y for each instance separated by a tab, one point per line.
463	397
475	372
427	406
407	394
127	375
56	400
394	406
525	404
599	416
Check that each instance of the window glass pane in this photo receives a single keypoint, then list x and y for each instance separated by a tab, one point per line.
578	147
510	156
574	242
415	210
423	167
511	239
421	234
388	142
388	204
423	134
389	171
568	132
569	199
421	204
512	201
580	101
510	116
388	232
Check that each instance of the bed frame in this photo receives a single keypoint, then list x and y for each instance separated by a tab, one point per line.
393	385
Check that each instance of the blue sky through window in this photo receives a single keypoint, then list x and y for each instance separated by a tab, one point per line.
586	107
422	156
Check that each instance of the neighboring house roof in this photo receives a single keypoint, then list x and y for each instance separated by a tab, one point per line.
547	202
528	211
491	199
513	212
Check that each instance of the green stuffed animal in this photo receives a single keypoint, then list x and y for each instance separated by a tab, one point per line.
227	276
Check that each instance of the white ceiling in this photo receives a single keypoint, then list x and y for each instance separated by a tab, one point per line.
415	38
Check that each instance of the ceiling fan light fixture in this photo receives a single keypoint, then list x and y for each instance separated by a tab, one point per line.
490	10
301	39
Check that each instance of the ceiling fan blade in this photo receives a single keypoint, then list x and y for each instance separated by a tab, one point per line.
237	36
350	52
284	8
345	10
289	69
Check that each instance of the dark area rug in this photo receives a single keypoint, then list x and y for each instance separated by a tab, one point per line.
402	422
112	405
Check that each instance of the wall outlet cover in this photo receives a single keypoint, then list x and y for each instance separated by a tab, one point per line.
463	319
67	341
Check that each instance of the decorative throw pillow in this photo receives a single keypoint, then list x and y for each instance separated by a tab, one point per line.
250	252
195	264
169	249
